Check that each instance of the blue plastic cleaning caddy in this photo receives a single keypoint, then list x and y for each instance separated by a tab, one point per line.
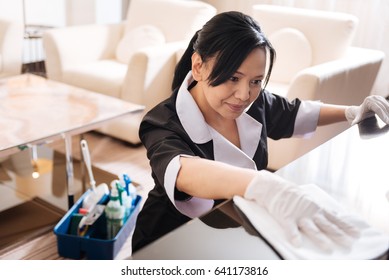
94	244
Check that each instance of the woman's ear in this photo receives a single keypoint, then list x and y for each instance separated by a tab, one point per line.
197	64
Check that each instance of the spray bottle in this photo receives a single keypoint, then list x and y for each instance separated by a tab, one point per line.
130	188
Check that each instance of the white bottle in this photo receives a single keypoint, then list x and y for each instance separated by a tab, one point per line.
114	213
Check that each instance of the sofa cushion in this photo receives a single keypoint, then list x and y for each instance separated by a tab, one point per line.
137	38
294	53
329	33
104	76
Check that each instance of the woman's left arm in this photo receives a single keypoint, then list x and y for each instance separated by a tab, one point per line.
373	104
330	114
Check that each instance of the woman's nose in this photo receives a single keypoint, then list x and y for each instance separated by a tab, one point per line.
243	92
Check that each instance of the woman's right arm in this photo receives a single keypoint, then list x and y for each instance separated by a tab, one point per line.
210	179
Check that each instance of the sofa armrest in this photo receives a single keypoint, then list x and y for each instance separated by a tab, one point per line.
344	81
11	44
150	74
68	46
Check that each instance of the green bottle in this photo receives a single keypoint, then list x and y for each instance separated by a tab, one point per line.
114	213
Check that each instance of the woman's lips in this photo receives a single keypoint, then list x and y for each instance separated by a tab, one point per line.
236	108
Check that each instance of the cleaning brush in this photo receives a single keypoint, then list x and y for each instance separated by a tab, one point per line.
97	193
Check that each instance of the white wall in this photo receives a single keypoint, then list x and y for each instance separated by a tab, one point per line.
11	10
45	12
108	11
59	13
42	12
93	11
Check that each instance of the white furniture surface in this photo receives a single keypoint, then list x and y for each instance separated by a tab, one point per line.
133	60
315	61
11	44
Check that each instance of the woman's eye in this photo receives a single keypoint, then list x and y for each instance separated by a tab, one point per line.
234	79
256	82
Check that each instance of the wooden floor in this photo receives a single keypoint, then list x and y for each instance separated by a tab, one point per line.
108	154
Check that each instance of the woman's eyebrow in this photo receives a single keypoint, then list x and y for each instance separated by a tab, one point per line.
258	76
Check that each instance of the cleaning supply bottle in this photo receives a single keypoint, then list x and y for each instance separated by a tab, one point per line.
114	213
130	188
124	199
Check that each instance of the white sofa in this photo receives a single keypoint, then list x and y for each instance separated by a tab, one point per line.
11	46
315	61
133	60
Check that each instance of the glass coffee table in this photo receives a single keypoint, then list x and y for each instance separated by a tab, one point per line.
36	111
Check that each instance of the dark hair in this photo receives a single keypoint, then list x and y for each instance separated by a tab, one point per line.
229	37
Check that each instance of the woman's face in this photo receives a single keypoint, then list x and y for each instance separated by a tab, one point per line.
231	98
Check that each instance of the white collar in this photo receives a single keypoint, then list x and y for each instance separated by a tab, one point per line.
190	115
200	132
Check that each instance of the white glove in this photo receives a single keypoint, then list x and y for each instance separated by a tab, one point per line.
373	104
297	213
